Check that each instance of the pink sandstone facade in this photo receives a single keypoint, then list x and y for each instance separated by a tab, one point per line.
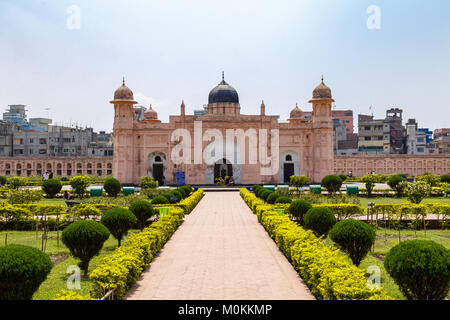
146	147
414	165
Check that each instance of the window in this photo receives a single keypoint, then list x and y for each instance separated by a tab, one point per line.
158	159
288	157
31	140
42	141
18	151
93	151
2	140
380	138
420	140
420	150
367	138
348	114
367	128
31	151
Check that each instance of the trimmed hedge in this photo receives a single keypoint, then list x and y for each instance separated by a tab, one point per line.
320	220
51	187
112	187
326	272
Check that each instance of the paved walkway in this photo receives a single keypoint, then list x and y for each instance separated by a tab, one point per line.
220	252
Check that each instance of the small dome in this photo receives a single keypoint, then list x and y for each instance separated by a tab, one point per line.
322	92
223	93
123	93
296	113
150	114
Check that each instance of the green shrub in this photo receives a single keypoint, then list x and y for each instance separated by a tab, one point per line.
445	178
24	196
283	199
112	187
354	237
320	220
182	192
395	182
160	200
80	184
148	183
430	179
22	270
298	209
421	269
299	181
416	191
17	182
51	187
118	221
343	177
265	194
85	239
332	183
3	180
175	196
273	197
260	191
255	186
187	190
142	210
369	182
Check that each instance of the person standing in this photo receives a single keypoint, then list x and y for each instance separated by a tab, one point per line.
45	176
50	176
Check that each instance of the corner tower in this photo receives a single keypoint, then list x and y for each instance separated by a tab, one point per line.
122	134
323	154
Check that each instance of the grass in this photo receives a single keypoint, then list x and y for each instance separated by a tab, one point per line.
57	279
388	238
392	200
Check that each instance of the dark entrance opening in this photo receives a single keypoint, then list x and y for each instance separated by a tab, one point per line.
222	169
288	171
158	171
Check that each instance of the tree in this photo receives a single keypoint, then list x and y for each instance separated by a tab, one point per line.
299	208
80	184
112	187
416	191
143	210
148	183
332	183
85	239
17	182
22	270
299	181
421	269
369	181
51	187
320	220
395	182
354	237
118	221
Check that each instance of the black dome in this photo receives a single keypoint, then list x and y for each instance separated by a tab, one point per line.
223	93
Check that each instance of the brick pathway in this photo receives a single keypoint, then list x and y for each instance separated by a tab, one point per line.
220	252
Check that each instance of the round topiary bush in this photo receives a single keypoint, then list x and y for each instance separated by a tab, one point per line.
143	210
283	199
298	209
175	196
3	180
51	187
343	177
332	183
22	270
273	197
187	190
320	220
167	195
265	194
118	221
112	187
421	269
260	191
85	239
255	186
445	178
182	192
160	200
395	182
354	238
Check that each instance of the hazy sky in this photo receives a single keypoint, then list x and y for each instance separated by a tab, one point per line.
169	50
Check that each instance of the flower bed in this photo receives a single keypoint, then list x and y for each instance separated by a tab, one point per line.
325	271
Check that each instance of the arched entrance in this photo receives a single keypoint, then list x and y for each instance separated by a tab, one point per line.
222	169
288	166
156	167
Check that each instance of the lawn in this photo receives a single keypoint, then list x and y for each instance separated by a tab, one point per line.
382	247
57	279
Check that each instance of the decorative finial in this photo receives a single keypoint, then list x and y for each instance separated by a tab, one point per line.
296	104
322	78
223	75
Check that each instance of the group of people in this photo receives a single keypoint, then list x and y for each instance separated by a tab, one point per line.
47	175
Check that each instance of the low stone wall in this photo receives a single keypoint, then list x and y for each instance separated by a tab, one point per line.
61	166
414	165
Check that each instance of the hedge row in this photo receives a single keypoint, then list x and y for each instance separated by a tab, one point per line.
121	269
325	271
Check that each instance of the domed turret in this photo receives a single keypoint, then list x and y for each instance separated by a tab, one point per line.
150	114
296	113
123	93
223	93
322	92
